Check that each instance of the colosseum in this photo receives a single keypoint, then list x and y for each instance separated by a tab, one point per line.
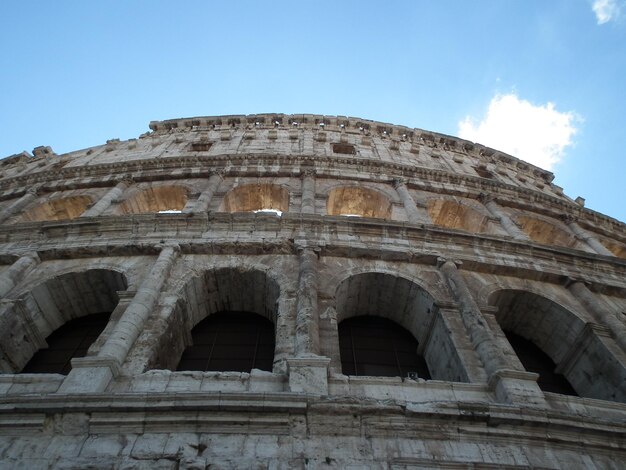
302	291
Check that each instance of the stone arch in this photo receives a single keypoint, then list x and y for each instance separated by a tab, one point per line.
577	352
546	232
217	291
358	201
457	215
28	320
407	304
64	208
254	197
156	198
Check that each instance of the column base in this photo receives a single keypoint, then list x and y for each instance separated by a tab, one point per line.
308	374
89	375
517	387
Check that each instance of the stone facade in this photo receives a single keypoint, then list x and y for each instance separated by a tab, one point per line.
455	242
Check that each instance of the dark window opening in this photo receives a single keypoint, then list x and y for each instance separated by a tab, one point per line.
201	146
230	341
346	149
376	346
535	360
483	172
71	340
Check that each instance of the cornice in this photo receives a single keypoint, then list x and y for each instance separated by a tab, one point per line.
266	234
341	124
195	166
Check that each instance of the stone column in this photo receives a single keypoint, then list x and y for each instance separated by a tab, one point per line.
105	201
586	237
93	373
509	385
308	193
12	276
600	311
307	328
202	203
20	204
410	206
308	372
507	224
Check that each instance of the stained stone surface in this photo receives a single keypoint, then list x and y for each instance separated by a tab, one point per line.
455	242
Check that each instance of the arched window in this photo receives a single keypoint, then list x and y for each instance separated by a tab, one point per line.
255	198
535	360
57	209
171	198
543	333
376	346
230	341
71	340
451	214
356	201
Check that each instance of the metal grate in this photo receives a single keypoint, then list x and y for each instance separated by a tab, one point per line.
376	346
230	341
535	360
67	342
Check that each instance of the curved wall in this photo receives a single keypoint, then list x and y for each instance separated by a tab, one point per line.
307	221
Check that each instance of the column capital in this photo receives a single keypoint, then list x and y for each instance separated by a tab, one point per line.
218	172
397	182
569	280
569	219
161	246
308	172
486	198
303	244
441	261
36	190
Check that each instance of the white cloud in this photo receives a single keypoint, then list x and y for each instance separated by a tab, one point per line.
538	134
605	10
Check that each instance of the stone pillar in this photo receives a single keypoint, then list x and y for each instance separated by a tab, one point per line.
202	203
507	224
307	328
308	372
105	201
308	193
93	373
20	204
414	216
12	276
509	385
586	237
600	311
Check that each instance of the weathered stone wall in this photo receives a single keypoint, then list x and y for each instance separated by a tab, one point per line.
453	241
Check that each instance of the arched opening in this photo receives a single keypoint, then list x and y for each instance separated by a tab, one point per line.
57	209
357	201
45	314
255	198
155	199
71	340
565	346
230	341
451	214
379	310
232	309
379	347
535	360
546	233
616	248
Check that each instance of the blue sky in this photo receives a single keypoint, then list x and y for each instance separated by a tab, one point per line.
543	80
